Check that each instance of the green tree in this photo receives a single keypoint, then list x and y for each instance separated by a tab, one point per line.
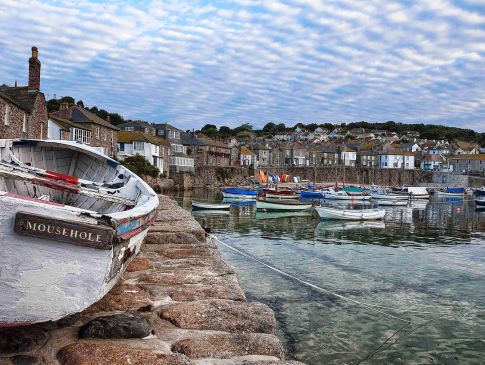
116	119
225	131
140	166
210	130
269	127
52	105
67	99
80	103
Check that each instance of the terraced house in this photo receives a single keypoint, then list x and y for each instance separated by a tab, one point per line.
154	149
23	111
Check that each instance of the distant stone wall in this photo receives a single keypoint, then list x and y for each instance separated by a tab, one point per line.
205	176
357	175
445	179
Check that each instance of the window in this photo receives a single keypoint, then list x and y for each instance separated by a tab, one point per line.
81	135
138	145
24	123
129	129
174	134
122	146
6	119
160	132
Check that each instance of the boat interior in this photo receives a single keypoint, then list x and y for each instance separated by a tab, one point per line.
67	176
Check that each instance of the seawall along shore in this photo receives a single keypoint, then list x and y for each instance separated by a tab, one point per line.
178	303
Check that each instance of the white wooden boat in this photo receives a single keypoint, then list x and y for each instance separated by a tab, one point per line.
71	220
276	204
343	195
388	195
209	206
417	192
349	214
392	203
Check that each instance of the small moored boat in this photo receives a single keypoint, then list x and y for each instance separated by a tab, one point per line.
343	195
387	194
71	220
349	214
480	203
209	206
316	194
392	203
451	192
280	194
236	193
275	204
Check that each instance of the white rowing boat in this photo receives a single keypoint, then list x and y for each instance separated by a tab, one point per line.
71	220
276	204
349	214
343	195
209	206
387	194
392	203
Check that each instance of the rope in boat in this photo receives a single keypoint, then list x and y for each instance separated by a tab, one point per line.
372	307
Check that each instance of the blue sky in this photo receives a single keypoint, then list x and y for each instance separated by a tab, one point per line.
235	61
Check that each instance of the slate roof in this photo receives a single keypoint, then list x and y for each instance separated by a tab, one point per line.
190	140
80	115
66	124
20	96
129	137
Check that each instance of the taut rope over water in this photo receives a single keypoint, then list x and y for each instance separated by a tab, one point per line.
313	286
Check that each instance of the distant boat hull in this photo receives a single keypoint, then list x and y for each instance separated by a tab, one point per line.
345	196
379	196
234	193
312	194
392	203
282	206
347	214
208	206
480	203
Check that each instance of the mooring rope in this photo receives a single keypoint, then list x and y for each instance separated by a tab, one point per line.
372	307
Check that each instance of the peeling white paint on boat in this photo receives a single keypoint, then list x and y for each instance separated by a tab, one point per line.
45	279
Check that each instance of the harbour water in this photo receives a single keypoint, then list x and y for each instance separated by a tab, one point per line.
408	290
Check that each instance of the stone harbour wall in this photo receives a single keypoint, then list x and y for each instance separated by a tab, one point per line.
178	303
209	176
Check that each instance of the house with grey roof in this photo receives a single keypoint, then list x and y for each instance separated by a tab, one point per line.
23	110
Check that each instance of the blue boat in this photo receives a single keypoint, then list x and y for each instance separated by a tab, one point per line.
239	193
479	192
312	194
452	192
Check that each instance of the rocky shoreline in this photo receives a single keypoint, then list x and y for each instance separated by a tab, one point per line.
178	303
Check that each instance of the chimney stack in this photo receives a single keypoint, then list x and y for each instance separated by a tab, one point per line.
34	70
64	105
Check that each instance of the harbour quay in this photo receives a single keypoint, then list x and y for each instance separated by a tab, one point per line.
178	302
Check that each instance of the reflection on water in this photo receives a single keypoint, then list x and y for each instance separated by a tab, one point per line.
424	260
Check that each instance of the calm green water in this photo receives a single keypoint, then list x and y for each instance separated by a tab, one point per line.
423	261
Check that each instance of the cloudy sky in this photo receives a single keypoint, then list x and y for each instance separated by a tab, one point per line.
228	62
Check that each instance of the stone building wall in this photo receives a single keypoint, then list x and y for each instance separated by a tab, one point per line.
210	175
108	139
36	121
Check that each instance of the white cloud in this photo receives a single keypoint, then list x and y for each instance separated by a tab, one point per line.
244	60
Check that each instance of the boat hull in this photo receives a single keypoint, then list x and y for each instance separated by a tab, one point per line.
346	197
238	196
392	203
345	214
312	194
281	196
207	206
480	203
266	205
378	196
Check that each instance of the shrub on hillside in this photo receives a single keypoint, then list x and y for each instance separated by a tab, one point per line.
140	166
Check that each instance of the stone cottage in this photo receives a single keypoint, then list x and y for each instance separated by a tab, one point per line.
23	110
103	134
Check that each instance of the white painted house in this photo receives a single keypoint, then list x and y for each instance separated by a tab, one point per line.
348	156
395	160
154	149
